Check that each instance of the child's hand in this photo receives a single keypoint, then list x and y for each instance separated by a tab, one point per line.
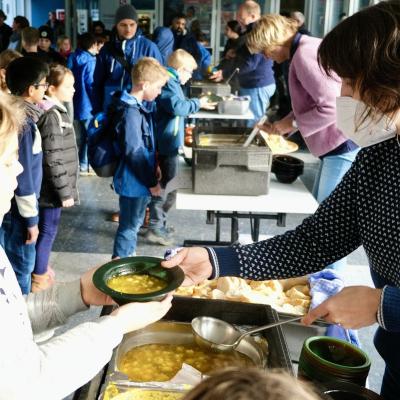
155	190
68	203
32	234
135	316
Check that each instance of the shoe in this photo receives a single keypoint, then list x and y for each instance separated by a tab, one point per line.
114	217
169	229
158	237
40	282
87	172
143	231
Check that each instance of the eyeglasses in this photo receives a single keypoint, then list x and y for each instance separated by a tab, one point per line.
37	85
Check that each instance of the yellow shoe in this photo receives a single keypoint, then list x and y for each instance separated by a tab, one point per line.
40	282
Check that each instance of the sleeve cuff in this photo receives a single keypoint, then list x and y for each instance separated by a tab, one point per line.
32	221
388	315
224	260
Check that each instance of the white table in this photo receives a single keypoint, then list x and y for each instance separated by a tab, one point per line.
216	115
281	200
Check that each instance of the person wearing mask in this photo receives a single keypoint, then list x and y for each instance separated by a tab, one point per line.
363	210
5	32
117	57
256	76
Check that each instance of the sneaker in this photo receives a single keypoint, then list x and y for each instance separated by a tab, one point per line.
143	231
158	237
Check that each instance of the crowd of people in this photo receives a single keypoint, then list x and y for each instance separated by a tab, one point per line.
341	102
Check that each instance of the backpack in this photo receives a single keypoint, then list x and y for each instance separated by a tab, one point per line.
103	150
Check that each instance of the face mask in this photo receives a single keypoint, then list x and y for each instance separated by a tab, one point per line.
349	114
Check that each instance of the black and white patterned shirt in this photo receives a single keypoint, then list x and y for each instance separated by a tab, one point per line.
364	210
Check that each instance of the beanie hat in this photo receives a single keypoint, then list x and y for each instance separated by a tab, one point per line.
126	11
45	32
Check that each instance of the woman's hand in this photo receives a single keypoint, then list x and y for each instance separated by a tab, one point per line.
135	316
195	264
92	296
217	76
354	307
282	127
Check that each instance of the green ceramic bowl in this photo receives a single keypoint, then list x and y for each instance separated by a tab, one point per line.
142	266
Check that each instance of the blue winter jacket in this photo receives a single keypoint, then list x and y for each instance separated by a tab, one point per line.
172	108
164	39
205	61
110	75
136	172
82	64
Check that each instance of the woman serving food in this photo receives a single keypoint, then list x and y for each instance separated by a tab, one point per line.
364	207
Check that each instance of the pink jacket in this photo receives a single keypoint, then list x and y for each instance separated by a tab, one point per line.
313	96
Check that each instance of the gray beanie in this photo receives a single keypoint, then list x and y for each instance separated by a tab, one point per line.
126	12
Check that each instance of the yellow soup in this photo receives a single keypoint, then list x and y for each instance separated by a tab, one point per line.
161	362
136	284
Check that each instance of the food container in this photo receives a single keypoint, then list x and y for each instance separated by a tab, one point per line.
221	165
325	358
237	105
197	88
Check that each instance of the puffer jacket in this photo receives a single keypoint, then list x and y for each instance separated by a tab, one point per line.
60	158
110	75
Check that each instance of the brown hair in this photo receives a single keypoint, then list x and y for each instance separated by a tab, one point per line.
269	31
57	74
148	69
6	57
365	49
30	36
252	383
60	40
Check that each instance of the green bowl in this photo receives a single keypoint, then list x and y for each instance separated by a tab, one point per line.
141	266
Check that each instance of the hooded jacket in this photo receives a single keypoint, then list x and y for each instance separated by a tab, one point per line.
60	157
164	39
172	109
82	64
110	75
136	172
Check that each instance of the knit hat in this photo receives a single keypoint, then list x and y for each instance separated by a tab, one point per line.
126	11
45	32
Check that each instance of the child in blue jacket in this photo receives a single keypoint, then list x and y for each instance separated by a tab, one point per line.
172	109
26	78
137	174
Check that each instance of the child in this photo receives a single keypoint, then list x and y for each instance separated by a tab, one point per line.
82	63
61	365
60	166
26	77
6	57
172	108
45	41
64	46
251	383
29	41
136	178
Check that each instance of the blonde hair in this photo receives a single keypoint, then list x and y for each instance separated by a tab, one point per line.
148	69
6	57
60	41
181	58
251	383
269	31
12	117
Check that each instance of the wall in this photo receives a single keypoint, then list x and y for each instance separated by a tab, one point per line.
41	8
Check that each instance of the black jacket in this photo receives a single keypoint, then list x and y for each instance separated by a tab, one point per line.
60	158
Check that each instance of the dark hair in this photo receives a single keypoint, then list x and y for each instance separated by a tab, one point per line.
179	16
365	49
86	41
234	26
24	72
57	74
21	21
95	24
3	15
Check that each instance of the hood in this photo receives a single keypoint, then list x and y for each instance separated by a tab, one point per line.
164	39
33	111
123	99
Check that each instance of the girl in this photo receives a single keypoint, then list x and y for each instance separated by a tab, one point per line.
364	208
60	169
64	46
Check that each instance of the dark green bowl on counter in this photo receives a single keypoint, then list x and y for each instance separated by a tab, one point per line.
141	266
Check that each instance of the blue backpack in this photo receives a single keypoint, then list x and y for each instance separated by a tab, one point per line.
103	149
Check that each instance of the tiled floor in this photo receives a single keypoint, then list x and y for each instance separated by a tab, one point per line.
86	236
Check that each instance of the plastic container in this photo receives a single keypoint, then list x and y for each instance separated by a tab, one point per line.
324	359
221	165
237	105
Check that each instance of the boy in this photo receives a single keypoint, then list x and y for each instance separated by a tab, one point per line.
45	49
26	78
82	64
172	108
136	177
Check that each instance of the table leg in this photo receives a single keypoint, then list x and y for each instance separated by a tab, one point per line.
234	228
255	232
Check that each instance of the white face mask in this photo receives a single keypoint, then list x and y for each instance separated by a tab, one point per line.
348	114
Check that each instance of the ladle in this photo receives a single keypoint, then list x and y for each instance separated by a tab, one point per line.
216	334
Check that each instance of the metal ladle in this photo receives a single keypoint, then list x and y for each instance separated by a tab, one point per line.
215	334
